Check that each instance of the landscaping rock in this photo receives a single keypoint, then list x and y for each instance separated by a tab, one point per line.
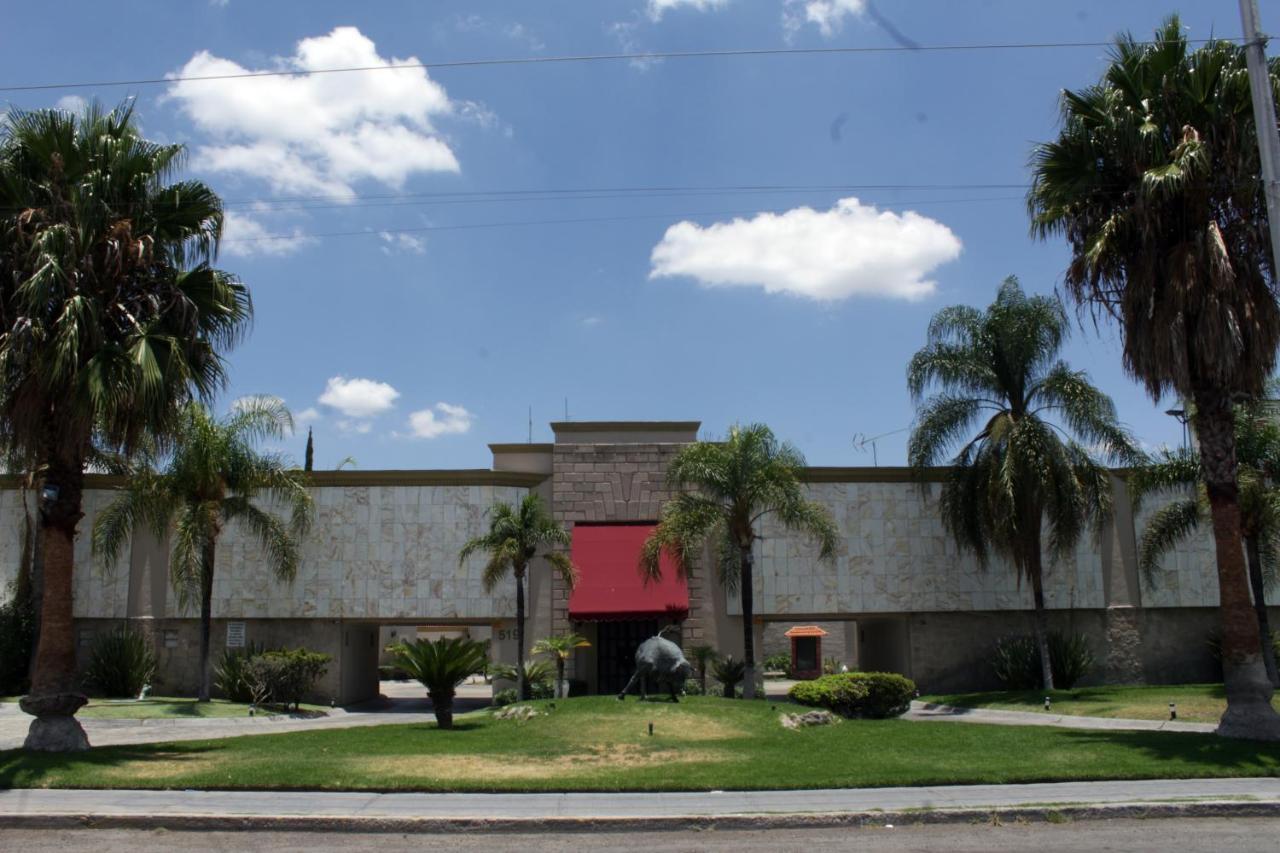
809	718
519	713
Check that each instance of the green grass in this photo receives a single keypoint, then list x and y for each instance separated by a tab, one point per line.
1197	703
163	707
598	744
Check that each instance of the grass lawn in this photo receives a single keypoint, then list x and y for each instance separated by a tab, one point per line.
1197	703
598	744
157	707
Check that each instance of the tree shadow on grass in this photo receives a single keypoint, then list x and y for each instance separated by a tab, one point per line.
1187	753
22	769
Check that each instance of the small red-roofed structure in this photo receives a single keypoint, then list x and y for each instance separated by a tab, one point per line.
806	651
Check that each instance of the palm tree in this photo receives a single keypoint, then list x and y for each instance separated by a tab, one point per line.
1155	182
213	478
703	657
726	488
516	535
1257	436
440	666
111	317
998	371
561	649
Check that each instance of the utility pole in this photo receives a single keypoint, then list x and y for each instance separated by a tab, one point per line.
1264	118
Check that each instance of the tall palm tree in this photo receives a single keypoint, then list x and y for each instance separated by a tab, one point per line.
560	648
516	535
111	317
725	489
213	478
998	371
1155	182
1257	437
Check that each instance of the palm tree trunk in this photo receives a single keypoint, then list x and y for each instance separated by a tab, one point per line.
521	686
1041	620
55	697
1259	589
748	632
442	705
206	618
1249	713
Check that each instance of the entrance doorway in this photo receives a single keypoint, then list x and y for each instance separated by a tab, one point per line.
616	644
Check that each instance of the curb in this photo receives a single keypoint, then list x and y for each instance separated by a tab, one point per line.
356	824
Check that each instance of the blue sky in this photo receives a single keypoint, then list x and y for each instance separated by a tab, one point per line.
462	292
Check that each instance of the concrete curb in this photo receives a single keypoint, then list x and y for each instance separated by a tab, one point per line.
356	824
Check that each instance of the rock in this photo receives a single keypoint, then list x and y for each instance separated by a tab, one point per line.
809	718
519	713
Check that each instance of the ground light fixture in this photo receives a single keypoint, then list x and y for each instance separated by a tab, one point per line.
1173	710
651	728
1046	703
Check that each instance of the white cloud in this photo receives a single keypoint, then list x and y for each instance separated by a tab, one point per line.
591	320
71	103
441	419
318	133
401	242
358	398
359	427
243	236
658	8
309	415
827	15
850	250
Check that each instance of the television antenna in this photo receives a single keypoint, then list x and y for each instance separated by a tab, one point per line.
861	440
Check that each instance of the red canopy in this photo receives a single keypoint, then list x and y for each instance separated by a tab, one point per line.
610	586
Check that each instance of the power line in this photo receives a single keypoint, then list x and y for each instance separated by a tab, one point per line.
590	57
376	232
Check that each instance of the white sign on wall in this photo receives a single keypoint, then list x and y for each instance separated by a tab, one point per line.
235	635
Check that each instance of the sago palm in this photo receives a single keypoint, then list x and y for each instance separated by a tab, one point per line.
1155	182
1003	417
560	648
440	666
214	477
1257	437
517	534
726	488
111	317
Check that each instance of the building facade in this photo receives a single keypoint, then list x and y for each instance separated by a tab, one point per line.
382	562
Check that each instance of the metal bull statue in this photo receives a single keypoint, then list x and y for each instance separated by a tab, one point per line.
660	659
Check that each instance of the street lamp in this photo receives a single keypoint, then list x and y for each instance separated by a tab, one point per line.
1183	417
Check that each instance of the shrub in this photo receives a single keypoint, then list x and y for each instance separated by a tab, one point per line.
121	663
1070	658
781	662
542	690
729	672
1016	660
831	666
17	640
229	674
504	697
440	666
857	694
284	677
536	672
692	687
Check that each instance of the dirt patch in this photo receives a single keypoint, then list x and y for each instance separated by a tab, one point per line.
668	725
622	756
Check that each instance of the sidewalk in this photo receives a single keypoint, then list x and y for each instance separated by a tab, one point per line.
928	711
418	812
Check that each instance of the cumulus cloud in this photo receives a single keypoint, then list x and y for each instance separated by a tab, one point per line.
658	8
441	419
827	15
393	242
850	250
358	398
243	236
318	133
71	103
309	415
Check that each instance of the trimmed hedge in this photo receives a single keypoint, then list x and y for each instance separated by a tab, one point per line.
857	694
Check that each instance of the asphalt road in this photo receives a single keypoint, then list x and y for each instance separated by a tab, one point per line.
1184	835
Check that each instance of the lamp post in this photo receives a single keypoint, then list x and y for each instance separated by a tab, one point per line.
1183	418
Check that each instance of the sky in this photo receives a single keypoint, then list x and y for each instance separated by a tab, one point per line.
435	253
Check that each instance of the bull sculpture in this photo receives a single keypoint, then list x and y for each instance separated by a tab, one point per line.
660	659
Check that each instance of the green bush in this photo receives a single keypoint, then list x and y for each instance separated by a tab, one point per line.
781	662
541	690
284	677
229	674
729	672
121	663
857	694
440	666
17	640
692	687
535	672
1016	661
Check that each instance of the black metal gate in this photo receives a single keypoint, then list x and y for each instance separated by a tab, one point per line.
616	644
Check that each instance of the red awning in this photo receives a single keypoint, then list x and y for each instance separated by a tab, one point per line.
609	583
